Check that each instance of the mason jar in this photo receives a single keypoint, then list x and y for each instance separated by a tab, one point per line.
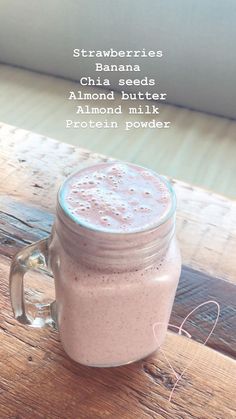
114	290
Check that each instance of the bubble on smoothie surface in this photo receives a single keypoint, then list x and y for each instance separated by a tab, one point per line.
117	197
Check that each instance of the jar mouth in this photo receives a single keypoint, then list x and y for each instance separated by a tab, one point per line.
81	224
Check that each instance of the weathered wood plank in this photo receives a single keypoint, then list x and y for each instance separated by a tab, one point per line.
21	224
39	380
33	167
195	288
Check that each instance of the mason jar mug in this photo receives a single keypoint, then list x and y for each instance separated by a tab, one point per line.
115	262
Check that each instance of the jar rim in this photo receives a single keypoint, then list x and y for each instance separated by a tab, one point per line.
93	229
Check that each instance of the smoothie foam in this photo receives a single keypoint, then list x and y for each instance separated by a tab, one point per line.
116	197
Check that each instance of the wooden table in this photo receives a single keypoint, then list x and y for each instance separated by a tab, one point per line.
38	380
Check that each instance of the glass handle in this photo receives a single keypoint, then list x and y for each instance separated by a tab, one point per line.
33	257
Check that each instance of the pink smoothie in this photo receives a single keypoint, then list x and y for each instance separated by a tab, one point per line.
110	293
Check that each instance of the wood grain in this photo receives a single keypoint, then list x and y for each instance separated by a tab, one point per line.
22	224
38	380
